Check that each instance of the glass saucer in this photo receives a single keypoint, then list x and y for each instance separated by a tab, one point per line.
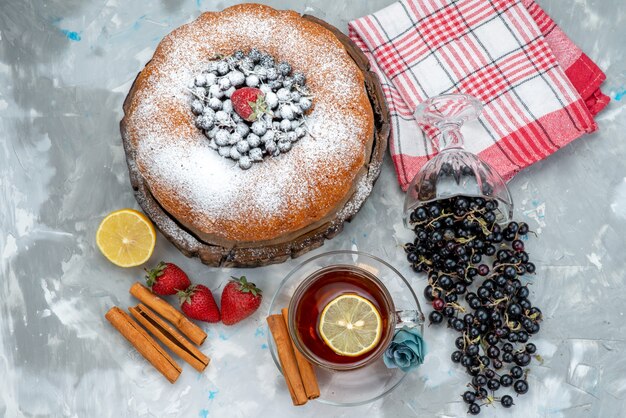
375	380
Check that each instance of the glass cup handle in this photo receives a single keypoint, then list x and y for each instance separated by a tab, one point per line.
409	318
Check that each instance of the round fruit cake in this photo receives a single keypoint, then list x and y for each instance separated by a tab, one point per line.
250	126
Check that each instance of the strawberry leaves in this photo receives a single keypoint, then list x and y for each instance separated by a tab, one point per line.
155	273
259	108
245	286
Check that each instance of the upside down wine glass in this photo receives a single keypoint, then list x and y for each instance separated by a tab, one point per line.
454	171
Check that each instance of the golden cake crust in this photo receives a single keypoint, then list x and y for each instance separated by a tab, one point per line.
282	196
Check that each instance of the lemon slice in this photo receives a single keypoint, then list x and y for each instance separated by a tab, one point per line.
126	238
350	325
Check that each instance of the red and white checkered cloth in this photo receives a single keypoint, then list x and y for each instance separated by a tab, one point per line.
538	89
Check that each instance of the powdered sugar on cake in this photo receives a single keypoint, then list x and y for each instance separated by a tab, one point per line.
175	159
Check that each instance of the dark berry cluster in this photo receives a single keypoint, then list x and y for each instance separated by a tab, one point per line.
280	121
474	267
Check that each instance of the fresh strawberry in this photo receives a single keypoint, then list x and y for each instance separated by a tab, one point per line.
239	300
197	302
249	103
167	279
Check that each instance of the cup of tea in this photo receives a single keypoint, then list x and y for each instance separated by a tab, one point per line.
343	317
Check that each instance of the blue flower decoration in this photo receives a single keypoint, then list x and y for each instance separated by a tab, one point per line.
406	350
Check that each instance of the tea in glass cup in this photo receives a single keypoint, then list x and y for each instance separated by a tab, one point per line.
342	317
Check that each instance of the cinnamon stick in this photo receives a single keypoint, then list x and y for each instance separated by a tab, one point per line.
309	380
287	358
170	337
143	343
167	311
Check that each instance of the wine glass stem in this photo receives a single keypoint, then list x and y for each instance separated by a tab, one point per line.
450	137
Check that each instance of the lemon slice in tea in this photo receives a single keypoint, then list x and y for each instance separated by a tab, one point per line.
350	325
126	238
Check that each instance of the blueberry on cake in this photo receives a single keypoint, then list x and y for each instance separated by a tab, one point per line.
250	106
